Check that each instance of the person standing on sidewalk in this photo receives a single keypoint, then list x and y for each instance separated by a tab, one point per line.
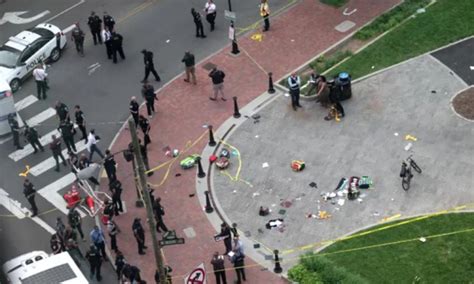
109	22
149	66
198	23
106	36
113	230
226	234
145	126
81	122
139	234
95	24
211	13
32	136
55	147
15	129
116	189
218	266
40	77
294	82
67	130
238	260
188	60
110	166
117	46
95	261
265	14
217	77
92	145
77	36
148	93
119	264
159	213
29	191
134	109
98	238
74	220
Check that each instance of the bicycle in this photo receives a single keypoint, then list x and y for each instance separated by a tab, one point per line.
406	174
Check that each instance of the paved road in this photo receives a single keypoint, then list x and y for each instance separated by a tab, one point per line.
104	94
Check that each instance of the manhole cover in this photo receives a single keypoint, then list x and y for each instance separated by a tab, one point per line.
463	103
345	26
209	66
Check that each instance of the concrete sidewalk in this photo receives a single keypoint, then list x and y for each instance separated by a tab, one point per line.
296	36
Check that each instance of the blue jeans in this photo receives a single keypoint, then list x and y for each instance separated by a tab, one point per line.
94	148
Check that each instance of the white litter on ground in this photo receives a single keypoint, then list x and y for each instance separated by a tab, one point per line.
408	146
471	67
341	202
422	239
167	41
256	136
396	133
265	165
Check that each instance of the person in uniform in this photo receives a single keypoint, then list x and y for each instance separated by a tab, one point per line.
198	23
113	230
134	109
149	66
67	130
62	111
159	213
145	126
55	147
148	93
107	39
139	234
211	13
116	189
84	163
294	82
95	261
32	136
15	129
109	22
117	46
188	60
265	14
95	24
80	121
238	260
218	266
55	244
29	192
109	166
74	220
98	238
41	76
77	36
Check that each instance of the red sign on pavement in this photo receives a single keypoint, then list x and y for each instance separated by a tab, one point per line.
197	276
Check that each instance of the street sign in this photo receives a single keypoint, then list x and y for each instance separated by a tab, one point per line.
231	33
170	238
228	15
197	276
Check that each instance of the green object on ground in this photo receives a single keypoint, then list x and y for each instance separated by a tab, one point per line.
189	161
444	22
335	3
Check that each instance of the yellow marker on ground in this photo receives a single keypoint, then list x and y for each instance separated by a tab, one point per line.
26	172
257	37
410	137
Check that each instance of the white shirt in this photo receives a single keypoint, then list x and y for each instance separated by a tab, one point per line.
90	141
210	8
106	35
39	74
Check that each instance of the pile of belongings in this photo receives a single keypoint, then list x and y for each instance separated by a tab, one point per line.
350	187
274	223
222	162
321	215
297	165
189	161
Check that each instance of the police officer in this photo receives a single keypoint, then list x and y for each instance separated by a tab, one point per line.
32	136
139	234
109	22
29	192
15	128
109	165
145	126
159	213
117	40
148	93
134	109
198	23
294	82
74	220
149	66
80	121
116	189
67	130
95	23
107	39
78	37
62	111
95	261
55	147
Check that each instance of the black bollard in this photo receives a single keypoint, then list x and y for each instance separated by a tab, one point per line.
236	108
271	90
209	208
201	172
277	268
212	142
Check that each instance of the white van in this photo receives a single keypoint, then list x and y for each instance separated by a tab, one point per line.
7	107
39	267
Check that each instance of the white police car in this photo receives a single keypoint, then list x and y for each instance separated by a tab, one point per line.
21	53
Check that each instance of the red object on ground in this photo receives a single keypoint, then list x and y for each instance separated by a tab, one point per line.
72	197
90	203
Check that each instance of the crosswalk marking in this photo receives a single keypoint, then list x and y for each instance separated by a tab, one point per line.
51	193
40	117
26	102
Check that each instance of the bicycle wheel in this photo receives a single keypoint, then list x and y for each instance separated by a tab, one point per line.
406	183
415	166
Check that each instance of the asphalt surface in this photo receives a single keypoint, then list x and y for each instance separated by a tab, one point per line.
164	27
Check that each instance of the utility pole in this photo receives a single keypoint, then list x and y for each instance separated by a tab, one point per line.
148	206
235	46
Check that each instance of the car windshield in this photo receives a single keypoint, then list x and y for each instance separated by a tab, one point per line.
8	56
44	33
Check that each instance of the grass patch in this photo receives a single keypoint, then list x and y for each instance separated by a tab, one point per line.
390	19
335	3
447	259
444	22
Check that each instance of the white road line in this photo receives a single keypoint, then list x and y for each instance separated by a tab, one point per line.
68	29
65	11
50	163
40	117
51	194
20	212
26	102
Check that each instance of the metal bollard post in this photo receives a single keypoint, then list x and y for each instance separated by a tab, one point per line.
236	108
212	142
209	208
201	172
271	89
277	268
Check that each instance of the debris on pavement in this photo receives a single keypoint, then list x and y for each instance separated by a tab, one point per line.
297	165
265	165
410	137
263	211
313	184
274	223
408	146
321	215
422	239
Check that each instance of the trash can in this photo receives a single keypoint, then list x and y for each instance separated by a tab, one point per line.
343	84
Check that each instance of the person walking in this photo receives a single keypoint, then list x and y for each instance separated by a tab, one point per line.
80	121
98	238
67	130
61	231
32	136
41	77
116	189
92	145
218	266
188	60
62	111
159	213
139	234
117	46
55	147
15	129
149	66
95	24
134	109
29	191
238	260
75	221
78	36
145	126
211	13
109	21
113	230
148	93
198	23
217	77
119	264
294	82
265	14
106	36
110	166
95	262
